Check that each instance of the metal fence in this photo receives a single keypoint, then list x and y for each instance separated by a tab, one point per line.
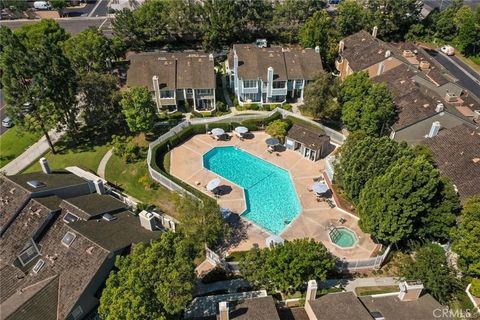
363	264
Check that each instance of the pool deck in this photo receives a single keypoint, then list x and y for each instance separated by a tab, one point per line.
187	165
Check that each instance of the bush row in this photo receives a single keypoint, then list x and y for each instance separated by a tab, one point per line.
294	120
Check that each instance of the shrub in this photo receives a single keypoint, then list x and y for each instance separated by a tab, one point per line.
133	153
278	129
475	287
217	274
287	107
220	106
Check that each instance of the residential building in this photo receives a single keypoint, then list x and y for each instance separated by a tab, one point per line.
59	237
456	152
410	303
271	75
175	77
309	143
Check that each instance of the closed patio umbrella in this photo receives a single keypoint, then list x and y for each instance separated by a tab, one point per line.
273	239
320	187
218	132
272	142
241	130
213	184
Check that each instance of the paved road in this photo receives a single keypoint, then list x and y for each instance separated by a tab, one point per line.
467	78
100	9
71	25
80	11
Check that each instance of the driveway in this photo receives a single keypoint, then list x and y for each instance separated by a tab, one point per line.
467	77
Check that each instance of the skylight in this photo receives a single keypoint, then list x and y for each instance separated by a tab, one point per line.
38	266
108	217
68	239
70	217
28	254
36	184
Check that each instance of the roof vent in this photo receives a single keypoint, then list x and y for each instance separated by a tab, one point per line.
408	54
388	53
36	184
108	217
424	65
451	97
439	107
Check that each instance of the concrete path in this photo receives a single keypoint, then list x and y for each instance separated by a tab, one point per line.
103	164
225	92
34	152
351	284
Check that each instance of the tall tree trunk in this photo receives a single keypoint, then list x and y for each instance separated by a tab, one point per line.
47	136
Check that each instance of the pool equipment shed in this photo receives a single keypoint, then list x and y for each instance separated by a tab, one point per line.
310	144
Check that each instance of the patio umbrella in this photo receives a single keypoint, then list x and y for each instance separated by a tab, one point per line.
273	239
225	212
218	132
241	130
272	142
213	184
320	187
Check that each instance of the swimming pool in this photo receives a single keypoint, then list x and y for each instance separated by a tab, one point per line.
271	199
343	237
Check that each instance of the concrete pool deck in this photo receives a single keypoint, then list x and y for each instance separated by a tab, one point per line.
186	163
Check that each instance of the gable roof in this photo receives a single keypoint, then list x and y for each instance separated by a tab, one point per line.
312	140
255	309
92	205
339	306
456	152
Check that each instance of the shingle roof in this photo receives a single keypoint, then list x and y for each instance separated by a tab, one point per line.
255	309
339	306
175	70
54	180
312	140
287	63
394	309
456	152
92	205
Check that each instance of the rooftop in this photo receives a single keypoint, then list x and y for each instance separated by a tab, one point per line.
55	180
92	205
339	306
312	140
456	152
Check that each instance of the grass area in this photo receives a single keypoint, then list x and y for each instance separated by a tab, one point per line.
13	143
366	291
86	159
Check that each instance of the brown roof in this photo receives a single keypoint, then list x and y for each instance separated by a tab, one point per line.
393	309
287	63
55	180
456	152
312	140
175	70
255	309
293	314
92	205
339	306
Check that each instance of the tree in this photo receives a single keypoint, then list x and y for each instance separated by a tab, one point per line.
201	222
363	158
38	80
254	18
468	23
350	17
320	98
465	237
277	129
430	265
319	31
58	5
287	267
100	101
393	18
154	281
89	50
406	202
127	28
475	288
368	107
138	109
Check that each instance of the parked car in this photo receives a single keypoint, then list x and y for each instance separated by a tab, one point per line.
7	122
42	5
448	50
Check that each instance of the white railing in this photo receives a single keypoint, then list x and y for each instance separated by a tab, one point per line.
363	264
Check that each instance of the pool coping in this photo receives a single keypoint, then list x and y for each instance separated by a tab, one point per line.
243	189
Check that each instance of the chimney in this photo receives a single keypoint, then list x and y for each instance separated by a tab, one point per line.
99	186
388	53
374	31
147	220
269	82
317	49
156	88
410	290
311	290
434	129
210	57
476	115
223	311
45	167
235	69
341	46
439	107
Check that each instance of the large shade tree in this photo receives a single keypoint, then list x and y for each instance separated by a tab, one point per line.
320	98
38	80
287	267
350	17
154	281
139	109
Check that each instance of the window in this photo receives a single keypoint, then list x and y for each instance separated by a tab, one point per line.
76	313
189	91
38	266
250	83
68	239
165	94
70	217
205	91
278	84
28	254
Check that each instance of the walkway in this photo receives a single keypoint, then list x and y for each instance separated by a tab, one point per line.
34	152
232	286
103	163
351	284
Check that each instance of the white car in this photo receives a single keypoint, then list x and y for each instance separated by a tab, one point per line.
7	122
448	50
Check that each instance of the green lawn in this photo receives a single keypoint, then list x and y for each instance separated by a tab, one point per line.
86	159
134	179
366	291
13	143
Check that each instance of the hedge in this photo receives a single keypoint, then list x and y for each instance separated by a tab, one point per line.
294	120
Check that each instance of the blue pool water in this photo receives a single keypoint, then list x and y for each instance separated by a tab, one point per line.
272	202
